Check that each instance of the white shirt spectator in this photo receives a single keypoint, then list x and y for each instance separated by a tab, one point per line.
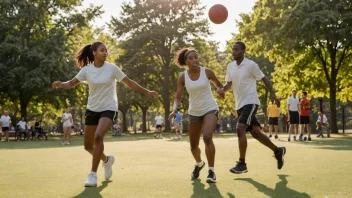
293	102
67	117
22	124
5	120
159	120
244	81
325	119
102	86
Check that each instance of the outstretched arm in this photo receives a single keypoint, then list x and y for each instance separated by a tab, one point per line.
136	87
177	101
66	85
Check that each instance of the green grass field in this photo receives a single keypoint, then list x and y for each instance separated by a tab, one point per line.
147	167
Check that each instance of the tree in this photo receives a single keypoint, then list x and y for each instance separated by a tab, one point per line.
159	28
34	46
314	32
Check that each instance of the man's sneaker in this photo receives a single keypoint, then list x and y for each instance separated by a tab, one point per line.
211	177
318	136
276	137
300	137
239	168
279	155
289	138
270	136
108	166
305	138
309	139
92	180
197	169
294	138
62	143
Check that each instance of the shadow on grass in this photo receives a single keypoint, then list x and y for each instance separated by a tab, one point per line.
335	143
280	190
55	142
200	191
92	191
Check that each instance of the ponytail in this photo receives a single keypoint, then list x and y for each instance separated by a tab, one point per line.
85	56
181	56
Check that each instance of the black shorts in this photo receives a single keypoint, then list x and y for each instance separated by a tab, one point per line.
294	117
273	121
92	118
304	119
158	126
246	115
5	128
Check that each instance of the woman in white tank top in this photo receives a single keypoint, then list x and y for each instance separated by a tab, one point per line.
67	123
202	110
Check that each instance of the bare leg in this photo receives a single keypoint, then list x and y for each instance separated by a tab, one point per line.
103	126
195	130
270	129
242	139
276	129
209	125
89	133
257	134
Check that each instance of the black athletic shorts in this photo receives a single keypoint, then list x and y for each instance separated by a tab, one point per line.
294	117
304	119
159	126
273	121
92	118
246	115
5	128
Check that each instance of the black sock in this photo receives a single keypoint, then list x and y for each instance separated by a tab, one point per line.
276	150
107	158
242	160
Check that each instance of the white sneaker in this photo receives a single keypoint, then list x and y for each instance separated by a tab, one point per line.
92	180
62	143
108	166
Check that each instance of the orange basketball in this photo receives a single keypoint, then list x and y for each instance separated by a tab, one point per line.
218	14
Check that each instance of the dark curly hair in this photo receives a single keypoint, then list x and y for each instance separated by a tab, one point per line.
181	56
84	56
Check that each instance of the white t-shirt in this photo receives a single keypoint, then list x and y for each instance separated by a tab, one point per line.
325	119
22	124
102	86
159	120
293	102
5	120
67	116
244	81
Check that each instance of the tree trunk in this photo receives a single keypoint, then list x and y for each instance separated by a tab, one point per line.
333	113
24	100
124	121
166	95
144	118
321	104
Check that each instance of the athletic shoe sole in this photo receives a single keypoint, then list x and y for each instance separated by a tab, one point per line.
90	185
210	180
238	172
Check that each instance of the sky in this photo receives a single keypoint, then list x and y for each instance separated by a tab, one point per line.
222	32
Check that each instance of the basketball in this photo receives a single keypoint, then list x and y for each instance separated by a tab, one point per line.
218	14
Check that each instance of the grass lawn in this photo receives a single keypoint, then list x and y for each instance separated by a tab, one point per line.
147	167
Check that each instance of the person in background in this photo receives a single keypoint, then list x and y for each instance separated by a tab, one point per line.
5	122
159	120
178	125
322	124
273	114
